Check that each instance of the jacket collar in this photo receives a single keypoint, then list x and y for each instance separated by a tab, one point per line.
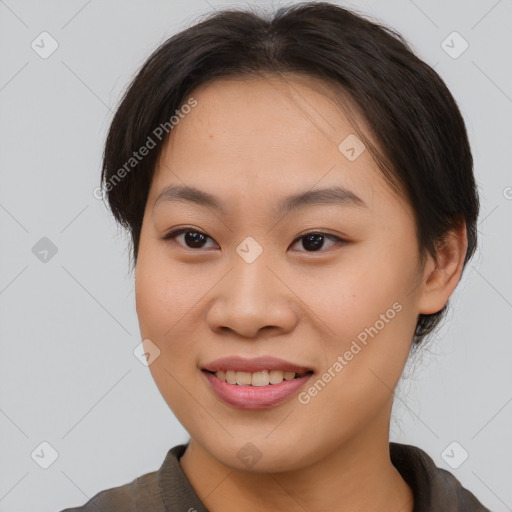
434	489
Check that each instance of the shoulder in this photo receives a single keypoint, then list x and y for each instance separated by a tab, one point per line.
141	494
143	491
160	491
433	488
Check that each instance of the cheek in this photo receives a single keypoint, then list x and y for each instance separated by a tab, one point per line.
363	351
165	309
366	312
162	294
352	296
166	303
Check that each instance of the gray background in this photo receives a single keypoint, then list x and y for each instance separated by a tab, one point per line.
68	324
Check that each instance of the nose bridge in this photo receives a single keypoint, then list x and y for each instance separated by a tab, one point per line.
250	280
251	297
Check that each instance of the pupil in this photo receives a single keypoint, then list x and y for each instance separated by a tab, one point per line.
311	242
194	238
314	242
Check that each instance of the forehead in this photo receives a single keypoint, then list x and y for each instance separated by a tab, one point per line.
263	136
252	110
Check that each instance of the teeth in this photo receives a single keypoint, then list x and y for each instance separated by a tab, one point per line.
263	378
260	378
243	378
276	376
231	377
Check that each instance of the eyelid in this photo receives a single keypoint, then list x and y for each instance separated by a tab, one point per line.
319	231
175	232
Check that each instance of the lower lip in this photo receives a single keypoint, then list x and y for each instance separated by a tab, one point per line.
255	397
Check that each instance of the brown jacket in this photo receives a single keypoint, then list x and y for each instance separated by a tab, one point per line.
168	489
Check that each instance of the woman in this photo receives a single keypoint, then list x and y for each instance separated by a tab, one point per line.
301	201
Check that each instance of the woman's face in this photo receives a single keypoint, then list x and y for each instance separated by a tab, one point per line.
343	305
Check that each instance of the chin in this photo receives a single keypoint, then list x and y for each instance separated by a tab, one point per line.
261	454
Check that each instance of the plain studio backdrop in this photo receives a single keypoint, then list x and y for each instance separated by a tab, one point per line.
71	387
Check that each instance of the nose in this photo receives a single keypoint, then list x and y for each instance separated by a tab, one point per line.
252	301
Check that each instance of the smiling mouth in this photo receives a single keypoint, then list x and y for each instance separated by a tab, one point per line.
256	379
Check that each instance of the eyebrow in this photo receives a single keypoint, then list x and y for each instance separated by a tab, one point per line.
329	195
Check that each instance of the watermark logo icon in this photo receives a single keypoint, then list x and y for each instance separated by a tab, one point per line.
249	454
44	455
454	45
146	352
249	250
44	250
44	45
454	455
351	147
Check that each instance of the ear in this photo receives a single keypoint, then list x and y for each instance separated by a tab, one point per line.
442	273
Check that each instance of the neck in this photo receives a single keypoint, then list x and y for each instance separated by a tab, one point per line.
355	476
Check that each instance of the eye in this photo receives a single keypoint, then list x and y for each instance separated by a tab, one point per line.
190	238
314	241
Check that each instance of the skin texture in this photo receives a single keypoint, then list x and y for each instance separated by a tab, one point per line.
251	143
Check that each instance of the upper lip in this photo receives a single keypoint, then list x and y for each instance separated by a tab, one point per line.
256	364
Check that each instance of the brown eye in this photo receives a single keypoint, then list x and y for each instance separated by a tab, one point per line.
314	242
189	238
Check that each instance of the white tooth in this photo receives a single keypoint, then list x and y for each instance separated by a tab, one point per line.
243	378
231	376
275	376
260	378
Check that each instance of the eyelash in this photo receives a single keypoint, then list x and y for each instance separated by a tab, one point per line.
174	234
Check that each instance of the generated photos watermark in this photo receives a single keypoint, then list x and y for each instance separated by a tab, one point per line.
355	348
157	135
